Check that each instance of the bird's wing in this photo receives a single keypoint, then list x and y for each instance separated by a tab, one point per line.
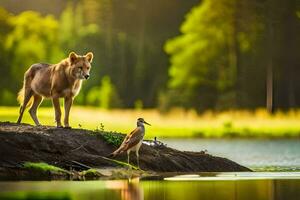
135	137
130	140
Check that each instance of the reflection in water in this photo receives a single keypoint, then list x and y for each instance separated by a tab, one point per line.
129	190
224	190
148	190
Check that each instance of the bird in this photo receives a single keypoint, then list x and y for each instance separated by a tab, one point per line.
132	141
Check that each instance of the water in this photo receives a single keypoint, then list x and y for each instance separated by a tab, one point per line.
283	154
236	186
254	153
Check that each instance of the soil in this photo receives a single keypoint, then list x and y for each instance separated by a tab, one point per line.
20	143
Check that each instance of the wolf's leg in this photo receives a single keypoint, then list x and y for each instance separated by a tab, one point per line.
68	104
56	105
36	103
27	95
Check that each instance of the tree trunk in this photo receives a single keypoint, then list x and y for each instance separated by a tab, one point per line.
269	78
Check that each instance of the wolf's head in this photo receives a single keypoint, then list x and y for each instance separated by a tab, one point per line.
81	65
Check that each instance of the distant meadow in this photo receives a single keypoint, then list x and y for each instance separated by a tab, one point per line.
177	123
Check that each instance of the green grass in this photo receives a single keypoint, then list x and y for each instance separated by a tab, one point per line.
177	123
42	167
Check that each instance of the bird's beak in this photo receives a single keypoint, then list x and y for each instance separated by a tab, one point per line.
147	123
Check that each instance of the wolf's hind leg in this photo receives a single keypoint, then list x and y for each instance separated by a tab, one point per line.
37	100
27	96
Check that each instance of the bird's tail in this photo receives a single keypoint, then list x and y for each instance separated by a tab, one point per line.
114	154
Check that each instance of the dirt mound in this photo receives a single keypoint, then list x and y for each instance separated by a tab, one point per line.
60	147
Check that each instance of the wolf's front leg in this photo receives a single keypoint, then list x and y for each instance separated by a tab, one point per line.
68	104
56	105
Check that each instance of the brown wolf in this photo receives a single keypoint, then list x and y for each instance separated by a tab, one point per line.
54	81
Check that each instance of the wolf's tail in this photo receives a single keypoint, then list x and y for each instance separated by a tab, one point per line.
20	98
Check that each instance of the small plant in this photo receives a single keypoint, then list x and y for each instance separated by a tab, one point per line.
113	138
100	128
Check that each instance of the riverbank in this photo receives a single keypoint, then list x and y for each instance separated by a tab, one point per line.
177	123
75	151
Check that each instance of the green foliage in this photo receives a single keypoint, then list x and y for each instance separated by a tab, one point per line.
105	96
34	38
30	37
138	104
93	97
109	96
73	29
42	167
113	138
205	58
7	97
218	61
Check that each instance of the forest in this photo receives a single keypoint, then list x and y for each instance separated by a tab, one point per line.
201	55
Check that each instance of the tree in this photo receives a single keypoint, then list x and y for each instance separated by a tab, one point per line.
33	38
105	96
206	58
5	89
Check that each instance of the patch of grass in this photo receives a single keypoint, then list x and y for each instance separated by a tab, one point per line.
42	167
91	173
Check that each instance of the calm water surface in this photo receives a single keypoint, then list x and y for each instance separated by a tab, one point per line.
281	154
236	186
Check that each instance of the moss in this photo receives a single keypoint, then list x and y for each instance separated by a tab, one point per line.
42	167
92	172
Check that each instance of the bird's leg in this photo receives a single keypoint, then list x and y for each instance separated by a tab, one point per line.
128	155
137	159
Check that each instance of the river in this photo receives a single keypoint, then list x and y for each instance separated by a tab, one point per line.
237	186
260	154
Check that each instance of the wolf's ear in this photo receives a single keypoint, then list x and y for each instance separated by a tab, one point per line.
89	56
72	56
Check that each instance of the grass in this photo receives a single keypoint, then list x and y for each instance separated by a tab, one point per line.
177	123
123	164
42	167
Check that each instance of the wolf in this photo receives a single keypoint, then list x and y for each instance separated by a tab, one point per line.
62	80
